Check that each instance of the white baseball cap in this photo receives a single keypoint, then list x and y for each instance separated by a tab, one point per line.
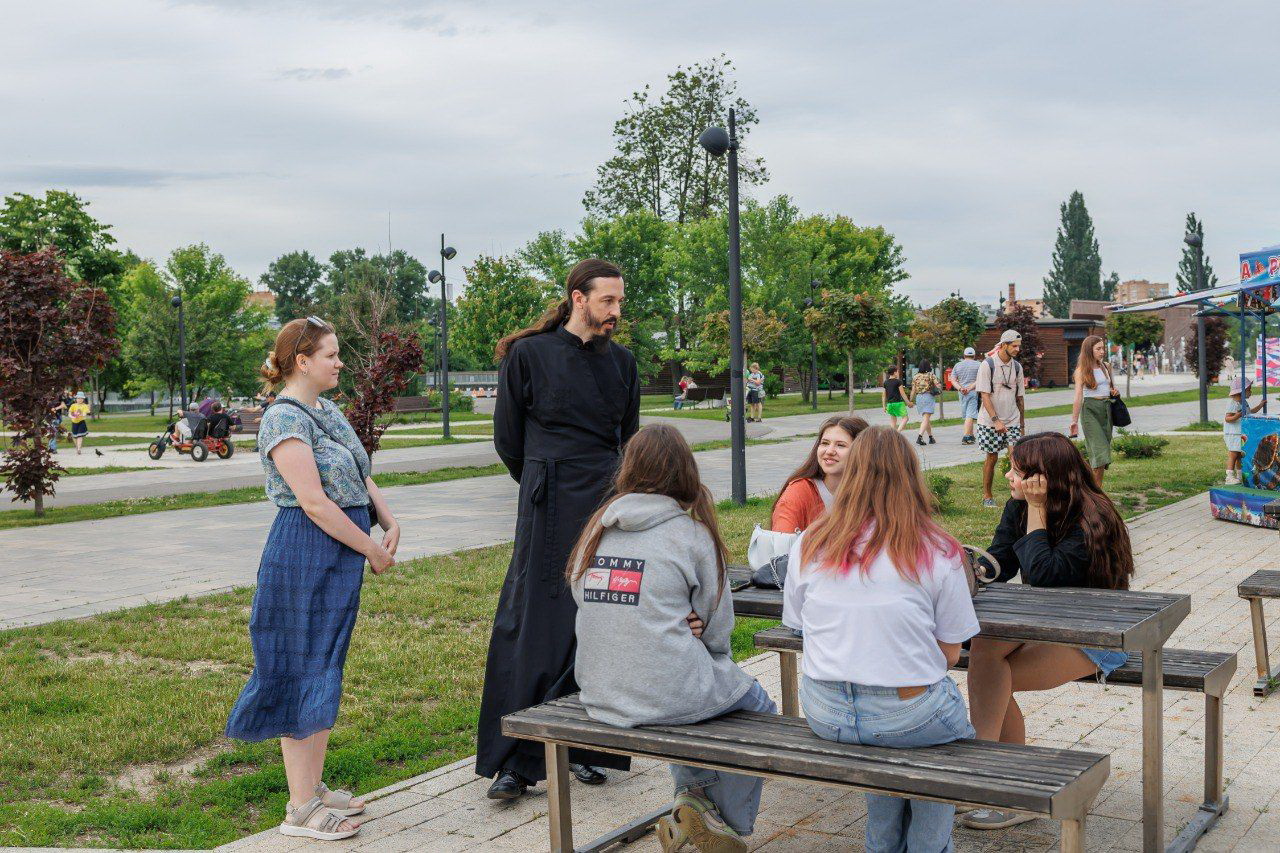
1008	336
970	351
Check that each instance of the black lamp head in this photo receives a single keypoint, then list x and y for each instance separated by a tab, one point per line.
434	277
715	140
175	301
449	253
1193	240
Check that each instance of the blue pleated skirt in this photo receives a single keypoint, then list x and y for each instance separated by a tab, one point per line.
303	612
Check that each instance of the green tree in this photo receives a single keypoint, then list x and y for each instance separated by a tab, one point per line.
1077	265
295	278
853	321
1215	352
1187	280
150	346
399	274
549	255
1109	286
659	166
61	220
501	297
1134	332
941	332
762	332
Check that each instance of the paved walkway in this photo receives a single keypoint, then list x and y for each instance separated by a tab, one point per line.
1178	549
71	570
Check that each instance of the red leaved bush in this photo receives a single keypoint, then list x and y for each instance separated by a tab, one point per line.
382	378
53	332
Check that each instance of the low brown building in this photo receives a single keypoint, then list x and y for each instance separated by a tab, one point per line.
1060	342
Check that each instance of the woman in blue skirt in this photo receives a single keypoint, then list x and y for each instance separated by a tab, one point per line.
309	579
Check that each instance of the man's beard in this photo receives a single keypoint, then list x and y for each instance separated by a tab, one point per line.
600	332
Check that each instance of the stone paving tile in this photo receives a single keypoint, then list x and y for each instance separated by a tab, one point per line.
1178	547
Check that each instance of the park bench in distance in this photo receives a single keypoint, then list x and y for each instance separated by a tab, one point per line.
1059	784
413	405
1192	671
250	422
704	398
1260	585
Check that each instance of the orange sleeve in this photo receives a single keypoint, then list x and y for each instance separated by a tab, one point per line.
792	511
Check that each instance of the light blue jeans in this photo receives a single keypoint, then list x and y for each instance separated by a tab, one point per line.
736	796
856	713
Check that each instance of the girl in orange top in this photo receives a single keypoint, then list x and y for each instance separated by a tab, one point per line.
809	489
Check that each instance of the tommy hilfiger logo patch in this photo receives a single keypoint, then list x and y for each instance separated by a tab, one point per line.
614	580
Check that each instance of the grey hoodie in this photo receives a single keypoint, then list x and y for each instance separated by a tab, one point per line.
637	662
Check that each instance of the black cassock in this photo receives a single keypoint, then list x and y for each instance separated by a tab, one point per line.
564	411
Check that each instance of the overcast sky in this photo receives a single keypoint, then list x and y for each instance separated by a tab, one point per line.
265	126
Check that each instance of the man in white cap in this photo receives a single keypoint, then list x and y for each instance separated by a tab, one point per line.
964	377
1003	388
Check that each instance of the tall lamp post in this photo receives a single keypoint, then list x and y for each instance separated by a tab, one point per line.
176	302
717	143
812	302
447	253
1196	242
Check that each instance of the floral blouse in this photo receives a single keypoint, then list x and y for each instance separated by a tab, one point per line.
339	464
924	383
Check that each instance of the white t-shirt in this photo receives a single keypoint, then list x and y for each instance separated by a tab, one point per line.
1103	381
878	629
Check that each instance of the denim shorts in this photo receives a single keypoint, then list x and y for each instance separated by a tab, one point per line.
1107	660
969	404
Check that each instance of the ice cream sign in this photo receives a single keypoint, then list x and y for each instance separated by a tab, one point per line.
1260	267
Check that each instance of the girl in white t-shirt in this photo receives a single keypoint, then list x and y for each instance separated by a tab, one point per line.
879	592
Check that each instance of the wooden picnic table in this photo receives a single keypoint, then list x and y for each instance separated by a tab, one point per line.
1125	620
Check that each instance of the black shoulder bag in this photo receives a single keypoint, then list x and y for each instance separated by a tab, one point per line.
373	512
1120	416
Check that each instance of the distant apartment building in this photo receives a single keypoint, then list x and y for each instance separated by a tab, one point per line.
1140	290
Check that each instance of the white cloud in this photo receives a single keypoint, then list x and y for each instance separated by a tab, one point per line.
263	127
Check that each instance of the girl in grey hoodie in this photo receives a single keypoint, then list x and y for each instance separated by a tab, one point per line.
654	620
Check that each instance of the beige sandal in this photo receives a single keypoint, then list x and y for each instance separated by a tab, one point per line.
338	802
313	820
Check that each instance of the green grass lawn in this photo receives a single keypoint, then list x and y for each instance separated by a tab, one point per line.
248	494
110	727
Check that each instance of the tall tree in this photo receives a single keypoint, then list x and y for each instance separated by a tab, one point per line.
659	166
150	344
501	297
1077	265
548	256
1109	285
853	321
1215	351
1187	280
53	332
1134	332
295	278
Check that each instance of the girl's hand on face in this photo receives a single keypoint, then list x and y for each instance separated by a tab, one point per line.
695	624
1035	490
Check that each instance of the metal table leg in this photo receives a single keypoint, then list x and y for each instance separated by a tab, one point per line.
1153	750
1267	676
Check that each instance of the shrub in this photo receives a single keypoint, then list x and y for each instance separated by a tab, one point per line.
1139	445
458	401
940	485
772	385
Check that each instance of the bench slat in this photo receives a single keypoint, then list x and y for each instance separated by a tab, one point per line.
1042	780
1184	669
1261	584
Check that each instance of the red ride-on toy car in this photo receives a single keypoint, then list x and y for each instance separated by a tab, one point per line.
192	434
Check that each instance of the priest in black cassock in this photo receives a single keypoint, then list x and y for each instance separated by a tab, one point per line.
568	400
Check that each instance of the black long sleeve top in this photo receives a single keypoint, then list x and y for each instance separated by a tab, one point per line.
1041	561
560	398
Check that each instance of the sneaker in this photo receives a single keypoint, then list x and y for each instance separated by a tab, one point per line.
989	503
671	835
920	440
702	826
932	440
993	819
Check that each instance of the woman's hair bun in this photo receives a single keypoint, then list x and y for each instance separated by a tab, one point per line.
270	372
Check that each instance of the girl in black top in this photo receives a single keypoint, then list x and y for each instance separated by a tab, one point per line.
1058	529
892	400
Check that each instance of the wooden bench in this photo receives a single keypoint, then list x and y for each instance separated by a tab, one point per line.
1260	585
1054	783
250	421
1192	671
413	405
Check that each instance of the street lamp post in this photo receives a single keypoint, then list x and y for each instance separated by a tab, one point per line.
717	143
447	253
1196	242
812	302
182	349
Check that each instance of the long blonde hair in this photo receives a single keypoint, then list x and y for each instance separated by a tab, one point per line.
882	505
657	461
1087	362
